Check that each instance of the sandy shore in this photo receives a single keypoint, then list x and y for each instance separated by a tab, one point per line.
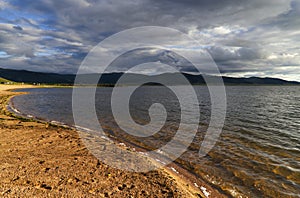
41	160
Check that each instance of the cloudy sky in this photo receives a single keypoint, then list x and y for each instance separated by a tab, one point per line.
244	37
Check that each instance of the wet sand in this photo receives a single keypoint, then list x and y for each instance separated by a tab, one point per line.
43	160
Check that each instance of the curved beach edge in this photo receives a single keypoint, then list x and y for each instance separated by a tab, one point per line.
40	157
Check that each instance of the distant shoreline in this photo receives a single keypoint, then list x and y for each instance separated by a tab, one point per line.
109	79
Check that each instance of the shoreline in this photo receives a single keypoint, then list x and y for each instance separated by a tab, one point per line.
185	180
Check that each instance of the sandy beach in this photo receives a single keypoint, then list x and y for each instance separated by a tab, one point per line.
42	160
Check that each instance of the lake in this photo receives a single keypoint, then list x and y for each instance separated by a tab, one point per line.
257	154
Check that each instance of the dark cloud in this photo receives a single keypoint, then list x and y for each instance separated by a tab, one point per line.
18	27
56	35
289	20
221	54
150	55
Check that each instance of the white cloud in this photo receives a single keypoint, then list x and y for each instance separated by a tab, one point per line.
4	4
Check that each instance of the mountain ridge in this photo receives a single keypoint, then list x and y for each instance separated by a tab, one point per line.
111	78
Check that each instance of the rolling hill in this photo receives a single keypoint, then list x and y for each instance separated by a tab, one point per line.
112	78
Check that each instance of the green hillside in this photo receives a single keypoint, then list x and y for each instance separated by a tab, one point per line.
4	81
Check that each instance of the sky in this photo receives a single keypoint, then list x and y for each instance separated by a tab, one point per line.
244	37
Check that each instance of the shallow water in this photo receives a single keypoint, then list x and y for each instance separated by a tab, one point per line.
257	155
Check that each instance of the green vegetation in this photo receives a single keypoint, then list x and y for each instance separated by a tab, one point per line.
5	81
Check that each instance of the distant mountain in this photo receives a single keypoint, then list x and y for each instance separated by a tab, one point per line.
112	78
35	77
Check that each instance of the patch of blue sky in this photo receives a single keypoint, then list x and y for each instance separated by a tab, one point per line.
47	37
194	48
4	54
15	16
47	27
42	54
45	52
51	52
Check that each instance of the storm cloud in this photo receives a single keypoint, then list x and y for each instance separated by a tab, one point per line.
245	38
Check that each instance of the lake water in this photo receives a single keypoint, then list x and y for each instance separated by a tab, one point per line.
257	154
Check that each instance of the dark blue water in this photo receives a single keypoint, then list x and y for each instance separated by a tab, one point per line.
257	155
